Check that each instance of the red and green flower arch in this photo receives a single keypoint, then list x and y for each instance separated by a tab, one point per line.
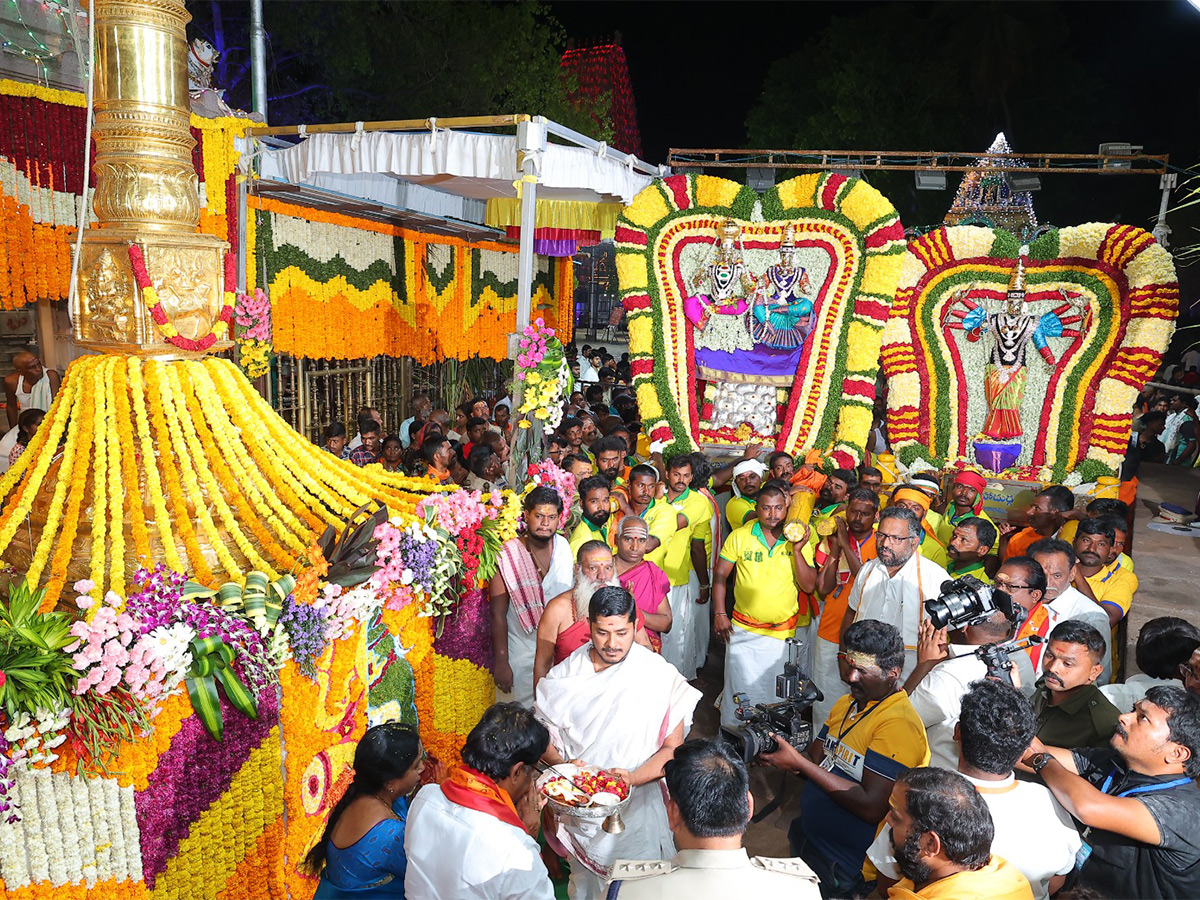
829	405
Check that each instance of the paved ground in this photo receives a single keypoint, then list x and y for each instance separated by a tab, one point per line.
1168	567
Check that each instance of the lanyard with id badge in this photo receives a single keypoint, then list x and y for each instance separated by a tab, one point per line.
832	747
1085	849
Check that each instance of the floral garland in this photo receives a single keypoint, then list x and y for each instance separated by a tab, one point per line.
546	376
345	287
165	327
935	398
830	400
252	318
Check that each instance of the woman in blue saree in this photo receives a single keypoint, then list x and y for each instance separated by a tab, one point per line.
361	853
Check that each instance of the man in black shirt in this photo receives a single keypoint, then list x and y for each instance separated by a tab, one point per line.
1138	802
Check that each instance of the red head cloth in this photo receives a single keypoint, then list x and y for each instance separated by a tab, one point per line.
971	479
976	481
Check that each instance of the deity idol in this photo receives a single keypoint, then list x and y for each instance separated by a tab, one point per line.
719	316
782	313
1014	328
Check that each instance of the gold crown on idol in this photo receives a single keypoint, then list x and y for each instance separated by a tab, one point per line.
1016	285
729	229
789	237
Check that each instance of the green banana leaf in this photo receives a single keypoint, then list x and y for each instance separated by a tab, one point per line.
212	664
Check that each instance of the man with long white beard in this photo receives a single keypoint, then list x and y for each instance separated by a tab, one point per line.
623	708
564	624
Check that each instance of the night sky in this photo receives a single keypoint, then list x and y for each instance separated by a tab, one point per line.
698	68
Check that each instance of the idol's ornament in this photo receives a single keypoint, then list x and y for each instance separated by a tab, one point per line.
758	319
1096	302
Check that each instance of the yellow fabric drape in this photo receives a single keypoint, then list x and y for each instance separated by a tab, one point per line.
576	215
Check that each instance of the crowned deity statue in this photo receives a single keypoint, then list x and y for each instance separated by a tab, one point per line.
782	314
1015	327
720	314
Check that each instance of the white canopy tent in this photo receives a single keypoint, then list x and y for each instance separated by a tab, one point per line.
426	167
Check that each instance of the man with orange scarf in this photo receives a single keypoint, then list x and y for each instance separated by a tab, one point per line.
471	836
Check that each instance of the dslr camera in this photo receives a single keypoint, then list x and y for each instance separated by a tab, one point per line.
796	693
967	601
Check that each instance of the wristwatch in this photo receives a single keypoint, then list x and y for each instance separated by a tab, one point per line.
1039	761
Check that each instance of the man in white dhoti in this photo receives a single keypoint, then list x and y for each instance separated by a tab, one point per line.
770	572
621	707
472	835
894	586
533	568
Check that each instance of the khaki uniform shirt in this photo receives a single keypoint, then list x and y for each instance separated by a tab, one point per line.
699	874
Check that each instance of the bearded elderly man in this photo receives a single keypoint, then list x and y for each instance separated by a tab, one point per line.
564	628
894	586
622	707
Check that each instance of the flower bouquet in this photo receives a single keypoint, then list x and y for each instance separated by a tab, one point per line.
541	385
252	332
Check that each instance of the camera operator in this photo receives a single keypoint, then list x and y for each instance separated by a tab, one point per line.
944	674
872	735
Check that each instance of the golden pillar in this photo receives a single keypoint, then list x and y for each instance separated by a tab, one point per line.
146	188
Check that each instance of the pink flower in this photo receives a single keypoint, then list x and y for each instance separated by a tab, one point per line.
85	585
84	602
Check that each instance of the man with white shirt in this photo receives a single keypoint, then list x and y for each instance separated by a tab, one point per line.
944	674
471	835
894	586
1032	831
617	705
1057	559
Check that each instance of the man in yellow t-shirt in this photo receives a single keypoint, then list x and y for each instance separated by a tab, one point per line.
872	735
594	504
747	479
685	553
971	540
770	572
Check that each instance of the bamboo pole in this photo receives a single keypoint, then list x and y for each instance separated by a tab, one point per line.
391	125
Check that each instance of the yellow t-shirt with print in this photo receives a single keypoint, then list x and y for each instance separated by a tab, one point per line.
764	588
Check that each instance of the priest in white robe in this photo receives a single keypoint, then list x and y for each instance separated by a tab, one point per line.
621	707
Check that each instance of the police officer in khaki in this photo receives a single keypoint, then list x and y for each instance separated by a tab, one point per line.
709	808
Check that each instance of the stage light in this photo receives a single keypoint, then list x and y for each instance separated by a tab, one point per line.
1021	182
930	180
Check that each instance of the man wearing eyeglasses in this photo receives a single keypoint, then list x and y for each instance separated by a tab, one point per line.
894	586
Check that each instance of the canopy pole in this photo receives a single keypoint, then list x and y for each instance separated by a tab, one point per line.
258	57
531	142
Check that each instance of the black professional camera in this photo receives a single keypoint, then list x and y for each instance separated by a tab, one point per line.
796	693
968	601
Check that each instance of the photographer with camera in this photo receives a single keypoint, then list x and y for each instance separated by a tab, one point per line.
872	735
945	672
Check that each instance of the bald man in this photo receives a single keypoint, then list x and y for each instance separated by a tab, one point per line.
30	386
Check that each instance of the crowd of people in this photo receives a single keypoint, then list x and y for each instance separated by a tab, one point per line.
933	771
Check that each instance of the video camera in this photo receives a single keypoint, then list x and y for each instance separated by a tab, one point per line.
796	693
968	601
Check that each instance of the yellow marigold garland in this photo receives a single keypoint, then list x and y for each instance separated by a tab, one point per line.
162	518
99	480
124	422
198	567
